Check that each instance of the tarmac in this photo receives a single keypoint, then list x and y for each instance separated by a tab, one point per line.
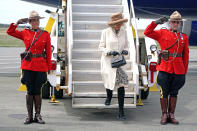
10	60
62	116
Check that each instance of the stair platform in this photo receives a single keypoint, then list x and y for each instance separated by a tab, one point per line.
102	106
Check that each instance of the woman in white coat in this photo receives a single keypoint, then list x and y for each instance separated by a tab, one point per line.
114	42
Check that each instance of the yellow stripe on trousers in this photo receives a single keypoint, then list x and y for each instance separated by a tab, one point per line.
161	91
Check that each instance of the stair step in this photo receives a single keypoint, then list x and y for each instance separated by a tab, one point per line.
86	44
91	16
89	25
100	2
87	34
96	8
89	54
102	106
100	95
92	75
96	86
99	102
91	64
86	54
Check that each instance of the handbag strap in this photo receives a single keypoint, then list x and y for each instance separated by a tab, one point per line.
174	43
35	40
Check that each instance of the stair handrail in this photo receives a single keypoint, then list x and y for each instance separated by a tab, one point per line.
69	43
132	48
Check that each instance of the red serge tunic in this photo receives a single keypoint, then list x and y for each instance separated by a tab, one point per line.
166	38
40	64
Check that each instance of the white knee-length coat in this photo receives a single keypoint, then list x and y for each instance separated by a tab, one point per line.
110	41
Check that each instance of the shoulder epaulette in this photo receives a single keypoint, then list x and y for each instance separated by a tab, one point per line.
27	28
183	33
164	28
45	31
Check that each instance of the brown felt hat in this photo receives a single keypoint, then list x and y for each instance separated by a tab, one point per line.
175	16
34	15
116	19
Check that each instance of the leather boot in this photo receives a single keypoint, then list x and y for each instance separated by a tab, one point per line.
121	94
171	110
109	96
38	102
164	106
29	105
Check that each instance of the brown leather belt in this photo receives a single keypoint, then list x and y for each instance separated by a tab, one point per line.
37	55
175	55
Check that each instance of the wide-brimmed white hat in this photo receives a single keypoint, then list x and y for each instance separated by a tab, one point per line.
34	15
175	16
116	18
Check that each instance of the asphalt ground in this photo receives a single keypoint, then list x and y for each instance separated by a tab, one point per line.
10	60
63	117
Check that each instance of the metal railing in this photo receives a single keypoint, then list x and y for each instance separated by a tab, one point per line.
134	23
132	48
69	44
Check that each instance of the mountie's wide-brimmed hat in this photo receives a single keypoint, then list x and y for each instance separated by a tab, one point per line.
116	19
34	15
175	16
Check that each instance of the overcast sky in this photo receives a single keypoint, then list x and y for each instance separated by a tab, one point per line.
12	10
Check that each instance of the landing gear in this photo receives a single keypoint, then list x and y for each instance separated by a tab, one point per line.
46	91
144	94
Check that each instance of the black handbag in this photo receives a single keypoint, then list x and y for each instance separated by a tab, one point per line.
118	61
27	54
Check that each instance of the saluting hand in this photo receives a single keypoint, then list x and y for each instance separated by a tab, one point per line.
161	20
22	21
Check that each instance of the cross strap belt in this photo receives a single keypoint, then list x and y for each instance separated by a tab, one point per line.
175	55
38	55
